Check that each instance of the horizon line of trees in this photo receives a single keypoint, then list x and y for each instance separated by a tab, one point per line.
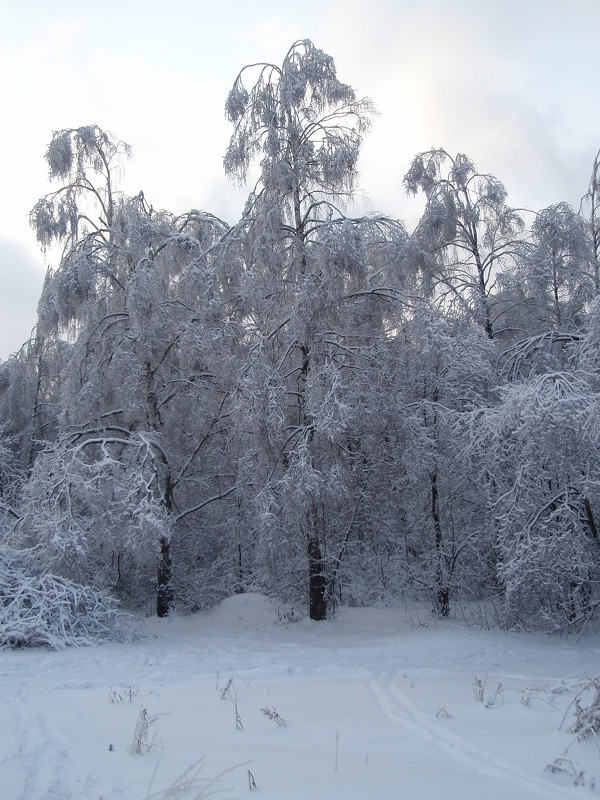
320	407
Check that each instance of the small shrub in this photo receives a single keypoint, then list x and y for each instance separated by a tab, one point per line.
585	724
127	694
487	691
190	784
567	766
228	693
144	739
49	611
273	714
587	716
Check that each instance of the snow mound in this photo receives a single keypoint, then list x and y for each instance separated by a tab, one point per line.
245	611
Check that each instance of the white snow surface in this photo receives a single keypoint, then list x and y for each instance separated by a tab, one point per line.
378	703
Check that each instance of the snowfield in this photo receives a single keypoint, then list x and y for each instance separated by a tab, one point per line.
377	703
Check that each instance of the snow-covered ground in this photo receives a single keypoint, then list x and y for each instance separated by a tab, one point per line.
378	703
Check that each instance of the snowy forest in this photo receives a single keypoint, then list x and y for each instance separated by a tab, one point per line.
324	408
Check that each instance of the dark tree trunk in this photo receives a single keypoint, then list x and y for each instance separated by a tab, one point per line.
164	583
443	602
164	591
239	589
442	596
591	522
317	582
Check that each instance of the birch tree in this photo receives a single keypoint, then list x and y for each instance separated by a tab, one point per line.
130	291
307	275
560	268
467	235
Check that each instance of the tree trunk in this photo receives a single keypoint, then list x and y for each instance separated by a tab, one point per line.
591	522
317	581
164	583
239	589
443	602
164	590
442	595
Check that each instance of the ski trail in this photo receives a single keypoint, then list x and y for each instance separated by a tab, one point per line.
45	770
399	710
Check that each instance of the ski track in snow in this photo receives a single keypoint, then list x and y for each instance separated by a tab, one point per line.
58	720
398	709
41	757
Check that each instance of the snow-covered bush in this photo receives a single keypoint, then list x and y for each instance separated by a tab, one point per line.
541	461
46	610
586	707
92	512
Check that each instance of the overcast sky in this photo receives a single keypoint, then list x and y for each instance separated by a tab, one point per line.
514	84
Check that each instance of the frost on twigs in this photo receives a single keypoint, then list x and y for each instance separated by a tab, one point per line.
273	714
59	155
228	693
587	713
487	691
585	705
567	766
191	786
144	737
115	696
49	611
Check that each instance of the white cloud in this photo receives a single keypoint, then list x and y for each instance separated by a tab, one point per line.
512	84
508	83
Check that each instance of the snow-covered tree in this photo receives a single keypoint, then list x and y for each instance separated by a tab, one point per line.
305	126
131	294
466	236
95	510
442	368
310	295
539	453
317	406
558	273
590	210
